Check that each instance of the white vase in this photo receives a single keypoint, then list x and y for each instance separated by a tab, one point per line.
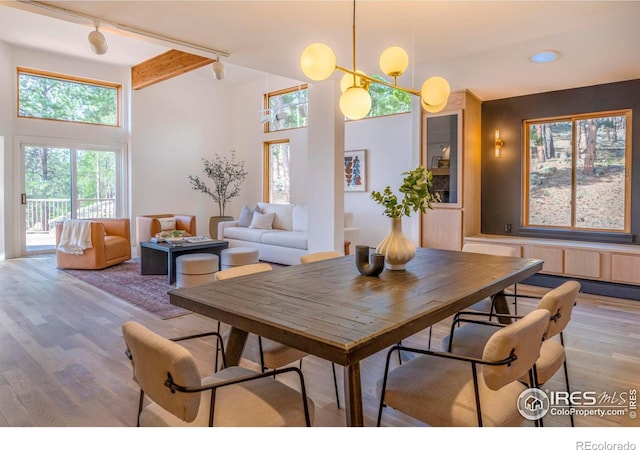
396	247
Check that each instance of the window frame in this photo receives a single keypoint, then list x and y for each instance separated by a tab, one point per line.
266	165
526	166
267	100
72	79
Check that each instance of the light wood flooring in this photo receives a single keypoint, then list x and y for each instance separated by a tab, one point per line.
62	361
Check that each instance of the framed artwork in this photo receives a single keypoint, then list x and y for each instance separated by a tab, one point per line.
355	171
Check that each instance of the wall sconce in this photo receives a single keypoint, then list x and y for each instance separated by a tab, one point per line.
497	144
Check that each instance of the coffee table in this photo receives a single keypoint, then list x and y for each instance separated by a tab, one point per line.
159	258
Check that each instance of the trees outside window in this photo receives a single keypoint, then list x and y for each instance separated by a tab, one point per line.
578	172
277	172
44	95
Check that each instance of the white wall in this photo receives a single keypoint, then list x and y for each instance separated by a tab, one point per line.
175	124
390	151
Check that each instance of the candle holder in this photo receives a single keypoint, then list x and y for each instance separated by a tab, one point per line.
369	266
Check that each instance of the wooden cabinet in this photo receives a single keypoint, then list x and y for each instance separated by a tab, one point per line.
451	151
614	263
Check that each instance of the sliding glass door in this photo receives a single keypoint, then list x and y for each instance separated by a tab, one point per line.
66	182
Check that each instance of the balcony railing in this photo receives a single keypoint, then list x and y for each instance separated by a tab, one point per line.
42	214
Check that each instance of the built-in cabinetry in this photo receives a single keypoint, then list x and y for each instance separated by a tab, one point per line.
451	151
595	261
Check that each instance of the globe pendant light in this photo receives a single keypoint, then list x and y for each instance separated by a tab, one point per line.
318	62
355	103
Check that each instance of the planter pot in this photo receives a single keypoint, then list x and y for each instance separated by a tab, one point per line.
213	224
396	247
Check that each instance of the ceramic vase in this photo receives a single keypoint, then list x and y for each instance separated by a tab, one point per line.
396	247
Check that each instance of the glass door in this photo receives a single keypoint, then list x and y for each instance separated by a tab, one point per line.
65	183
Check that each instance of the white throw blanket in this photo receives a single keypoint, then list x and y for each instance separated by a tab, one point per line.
75	237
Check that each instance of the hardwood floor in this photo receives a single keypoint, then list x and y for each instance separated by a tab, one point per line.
62	361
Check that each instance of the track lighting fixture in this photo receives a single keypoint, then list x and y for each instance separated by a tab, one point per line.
218	69
98	42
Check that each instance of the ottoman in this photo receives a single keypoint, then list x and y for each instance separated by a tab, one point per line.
195	269
238	256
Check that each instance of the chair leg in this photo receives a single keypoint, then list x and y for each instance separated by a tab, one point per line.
566	374
140	404
262	368
335	384
215	366
384	385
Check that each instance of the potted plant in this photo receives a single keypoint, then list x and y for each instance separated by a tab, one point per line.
416	196
227	175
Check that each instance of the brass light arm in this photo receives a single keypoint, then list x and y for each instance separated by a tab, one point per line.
375	80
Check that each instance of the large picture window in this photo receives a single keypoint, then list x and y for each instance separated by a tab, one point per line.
44	95
577	172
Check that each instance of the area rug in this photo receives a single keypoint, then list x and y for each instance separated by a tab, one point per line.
123	280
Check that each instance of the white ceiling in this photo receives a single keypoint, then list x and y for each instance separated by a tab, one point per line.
478	45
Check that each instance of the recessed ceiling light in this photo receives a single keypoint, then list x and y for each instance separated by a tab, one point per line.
544	56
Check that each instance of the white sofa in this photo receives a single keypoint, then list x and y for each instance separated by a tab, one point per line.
285	242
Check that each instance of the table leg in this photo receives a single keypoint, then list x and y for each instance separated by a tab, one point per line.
235	346
353	395
502	307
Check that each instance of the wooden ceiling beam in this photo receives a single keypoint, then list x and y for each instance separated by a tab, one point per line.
165	66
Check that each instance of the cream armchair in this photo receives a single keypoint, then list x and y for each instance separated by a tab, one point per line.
148	226
110	245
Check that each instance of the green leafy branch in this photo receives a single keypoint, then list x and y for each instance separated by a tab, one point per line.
416	195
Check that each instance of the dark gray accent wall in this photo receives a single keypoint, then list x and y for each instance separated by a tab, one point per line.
502	177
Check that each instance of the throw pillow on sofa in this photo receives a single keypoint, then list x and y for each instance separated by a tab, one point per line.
167	223
246	215
262	221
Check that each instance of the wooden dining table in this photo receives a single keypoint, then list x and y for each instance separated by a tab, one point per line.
328	309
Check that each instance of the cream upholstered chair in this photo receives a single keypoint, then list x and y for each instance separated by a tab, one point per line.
239	271
469	338
168	376
147	226
446	389
318	256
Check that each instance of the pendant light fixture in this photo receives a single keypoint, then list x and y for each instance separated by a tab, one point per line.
97	41
318	62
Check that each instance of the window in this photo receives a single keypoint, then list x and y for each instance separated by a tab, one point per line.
577	172
67	182
287	108
386	101
44	95
277	172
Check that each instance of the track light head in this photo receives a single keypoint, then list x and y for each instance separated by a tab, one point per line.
98	42
218	69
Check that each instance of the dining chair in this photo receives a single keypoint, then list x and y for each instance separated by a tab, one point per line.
468	339
270	354
173	393
487	304
448	389
318	256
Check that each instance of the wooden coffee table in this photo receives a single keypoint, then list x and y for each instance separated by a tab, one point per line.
160	258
